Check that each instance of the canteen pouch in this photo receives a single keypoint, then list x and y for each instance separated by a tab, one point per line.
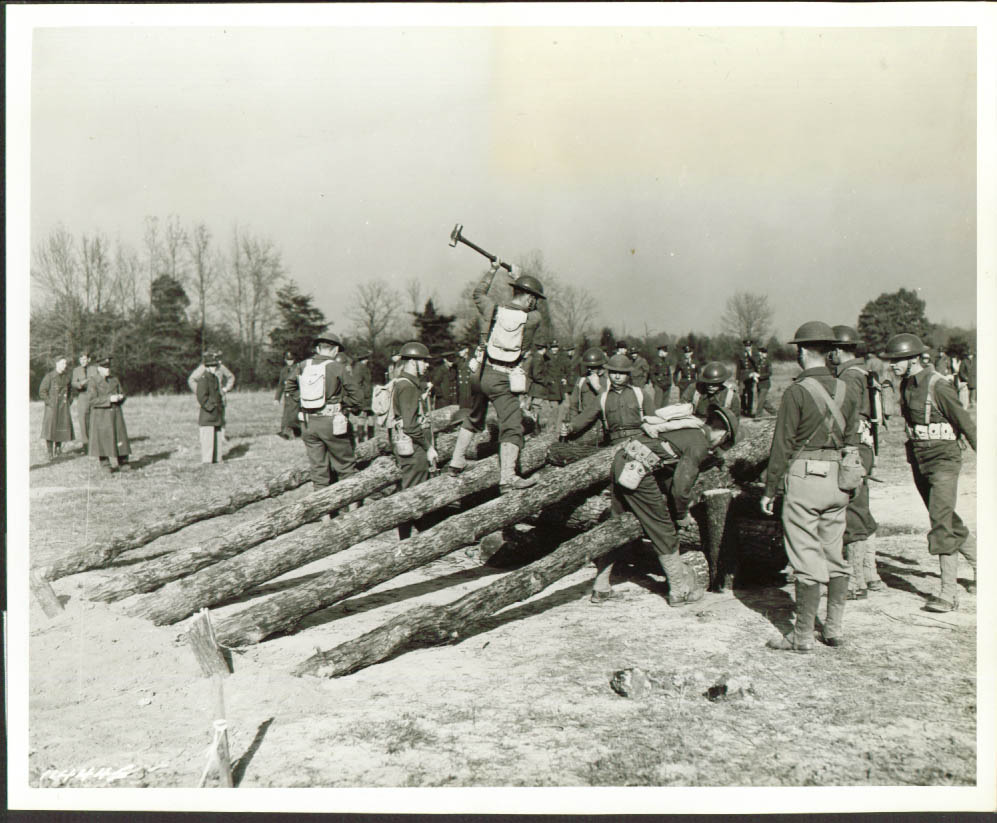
404	447
851	472
632	473
340	424
816	468
517	381
636	450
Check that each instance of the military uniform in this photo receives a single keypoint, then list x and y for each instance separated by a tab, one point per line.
210	417
686	373
544	390
55	392
364	380
289	426
408	433
657	502
746	367
967	378
327	451
82	376
108	434
226	381
463	382
661	379
701	400
764	386
641	374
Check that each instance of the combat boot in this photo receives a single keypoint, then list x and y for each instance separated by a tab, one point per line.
969	552
458	461
947	599
508	479
855	554
683	587
872	579
801	639
837	593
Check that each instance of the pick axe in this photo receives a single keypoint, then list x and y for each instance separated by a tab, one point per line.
456	237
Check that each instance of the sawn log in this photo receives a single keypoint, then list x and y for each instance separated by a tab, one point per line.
232	576
285	609
101	552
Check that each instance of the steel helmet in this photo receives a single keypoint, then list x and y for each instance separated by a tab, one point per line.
714	373
620	363
847	336
594	358
901	346
328	338
414	351
529	284
729	418
814	331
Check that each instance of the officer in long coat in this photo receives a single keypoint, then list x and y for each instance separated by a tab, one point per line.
764	368
408	427
816	422
504	356
81	376
108	434
660	505
56	393
211	415
289	426
935	423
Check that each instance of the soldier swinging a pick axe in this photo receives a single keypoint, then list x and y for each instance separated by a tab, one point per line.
498	367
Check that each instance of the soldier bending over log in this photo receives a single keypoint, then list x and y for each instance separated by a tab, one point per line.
659	504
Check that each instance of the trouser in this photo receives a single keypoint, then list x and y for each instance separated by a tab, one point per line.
211	444
747	398
414	469
662	394
495	388
964	395
545	411
289	417
83	415
813	521
762	404
327	453
936	466
859	522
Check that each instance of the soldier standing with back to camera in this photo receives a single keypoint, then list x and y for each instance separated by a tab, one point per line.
816	422
935	423
508	339
860	525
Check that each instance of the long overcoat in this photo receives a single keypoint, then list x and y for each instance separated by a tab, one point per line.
108	435
55	391
209	398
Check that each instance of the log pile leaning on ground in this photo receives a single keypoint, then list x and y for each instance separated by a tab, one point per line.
100	553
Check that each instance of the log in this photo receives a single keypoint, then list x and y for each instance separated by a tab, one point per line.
44	594
432	625
152	574
235	575
99	553
285	609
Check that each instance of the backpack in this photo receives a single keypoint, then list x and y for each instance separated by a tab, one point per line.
382	403
311	385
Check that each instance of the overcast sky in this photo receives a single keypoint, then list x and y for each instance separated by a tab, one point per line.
661	168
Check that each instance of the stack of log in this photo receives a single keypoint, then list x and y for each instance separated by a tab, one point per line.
569	506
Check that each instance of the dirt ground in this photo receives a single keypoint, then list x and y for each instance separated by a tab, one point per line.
524	698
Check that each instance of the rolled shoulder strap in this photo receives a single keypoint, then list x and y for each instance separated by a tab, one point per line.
833	417
934	378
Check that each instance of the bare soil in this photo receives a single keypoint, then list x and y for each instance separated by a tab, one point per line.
523	699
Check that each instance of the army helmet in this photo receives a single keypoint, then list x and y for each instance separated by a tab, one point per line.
729	418
620	363
328	338
714	373
529	284
414	351
902	346
814	331
847	336
593	358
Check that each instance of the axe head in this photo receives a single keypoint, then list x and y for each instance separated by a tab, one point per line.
455	234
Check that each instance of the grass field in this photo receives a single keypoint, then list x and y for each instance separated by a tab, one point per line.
524	700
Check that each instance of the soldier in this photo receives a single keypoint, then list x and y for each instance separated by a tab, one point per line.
545	389
860	525
711	387
935	421
211	416
443	381
505	349
560	370
641	373
108	434
56	393
661	377
967	378
326	393
764	382
407	425
395	361
362	377
289	427
660	505
943	364
955	367
595	383
81	376
816	421
686	371
575	369
464	378
747	377
225	378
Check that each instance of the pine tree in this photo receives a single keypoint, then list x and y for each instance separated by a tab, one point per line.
170	333
434	330
300	323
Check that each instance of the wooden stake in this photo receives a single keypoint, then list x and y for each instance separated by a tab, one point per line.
44	594
201	637
713	530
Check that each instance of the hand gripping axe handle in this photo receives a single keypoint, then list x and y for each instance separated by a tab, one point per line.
456	237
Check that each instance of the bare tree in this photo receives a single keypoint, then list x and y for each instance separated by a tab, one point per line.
95	265
198	248
124	286
153	250
573	309
413	291
374	307
55	266
174	243
747	315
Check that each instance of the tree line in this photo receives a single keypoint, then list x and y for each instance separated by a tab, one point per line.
158	308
